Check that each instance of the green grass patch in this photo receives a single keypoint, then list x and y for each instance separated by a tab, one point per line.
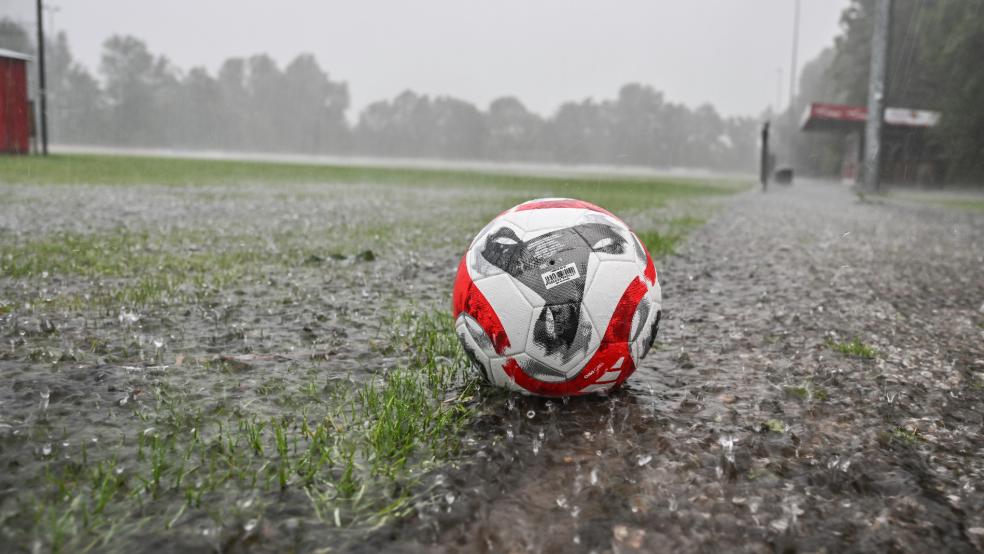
353	455
963	201
663	241
905	436
614	193
808	392
854	348
774	426
207	439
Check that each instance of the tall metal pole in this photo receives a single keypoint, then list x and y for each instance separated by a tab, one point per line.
876	94
764	159
778	90
792	64
42	92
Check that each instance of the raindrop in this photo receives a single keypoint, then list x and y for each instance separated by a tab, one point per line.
561	501
509	434
250	525
531	414
594	476
536	446
643	460
46	450
43	404
449	498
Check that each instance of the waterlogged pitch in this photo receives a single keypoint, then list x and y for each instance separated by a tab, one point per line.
225	355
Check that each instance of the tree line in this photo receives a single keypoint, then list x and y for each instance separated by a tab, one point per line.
252	104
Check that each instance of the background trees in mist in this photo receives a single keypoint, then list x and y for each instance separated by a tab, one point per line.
252	104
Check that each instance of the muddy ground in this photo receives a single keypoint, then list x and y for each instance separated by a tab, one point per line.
747	430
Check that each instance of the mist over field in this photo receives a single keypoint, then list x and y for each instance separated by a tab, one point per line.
444	276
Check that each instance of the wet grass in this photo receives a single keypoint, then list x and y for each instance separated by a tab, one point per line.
614	193
808	392
774	426
904	436
966	200
352	455
854	348
212	376
663	242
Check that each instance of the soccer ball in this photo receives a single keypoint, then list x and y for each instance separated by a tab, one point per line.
556	297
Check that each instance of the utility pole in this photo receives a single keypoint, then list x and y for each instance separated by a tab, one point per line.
778	90
792	72
764	159
876	94
42	92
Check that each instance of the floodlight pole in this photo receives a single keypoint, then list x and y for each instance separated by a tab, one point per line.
876	94
42	92
792	64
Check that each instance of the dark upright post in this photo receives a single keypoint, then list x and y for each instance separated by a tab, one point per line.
42	92
764	162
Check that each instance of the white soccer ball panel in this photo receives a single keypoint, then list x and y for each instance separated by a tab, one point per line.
510	306
543	220
608	284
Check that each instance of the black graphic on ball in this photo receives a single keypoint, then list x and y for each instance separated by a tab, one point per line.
554	266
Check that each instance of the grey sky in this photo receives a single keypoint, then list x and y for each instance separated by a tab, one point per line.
725	52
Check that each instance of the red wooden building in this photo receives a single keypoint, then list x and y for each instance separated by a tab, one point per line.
15	113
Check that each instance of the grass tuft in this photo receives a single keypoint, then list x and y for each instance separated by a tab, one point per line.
774	426
854	348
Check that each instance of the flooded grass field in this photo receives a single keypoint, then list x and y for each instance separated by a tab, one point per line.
233	356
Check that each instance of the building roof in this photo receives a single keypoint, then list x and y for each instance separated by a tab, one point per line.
14	55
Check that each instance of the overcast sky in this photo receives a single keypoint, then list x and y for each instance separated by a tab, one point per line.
726	52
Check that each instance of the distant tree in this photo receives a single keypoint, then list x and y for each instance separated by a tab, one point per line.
14	37
313	108
514	133
950	53
137	87
201	110
235	114
404	127
264	82
581	132
75	99
637	126
459	129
